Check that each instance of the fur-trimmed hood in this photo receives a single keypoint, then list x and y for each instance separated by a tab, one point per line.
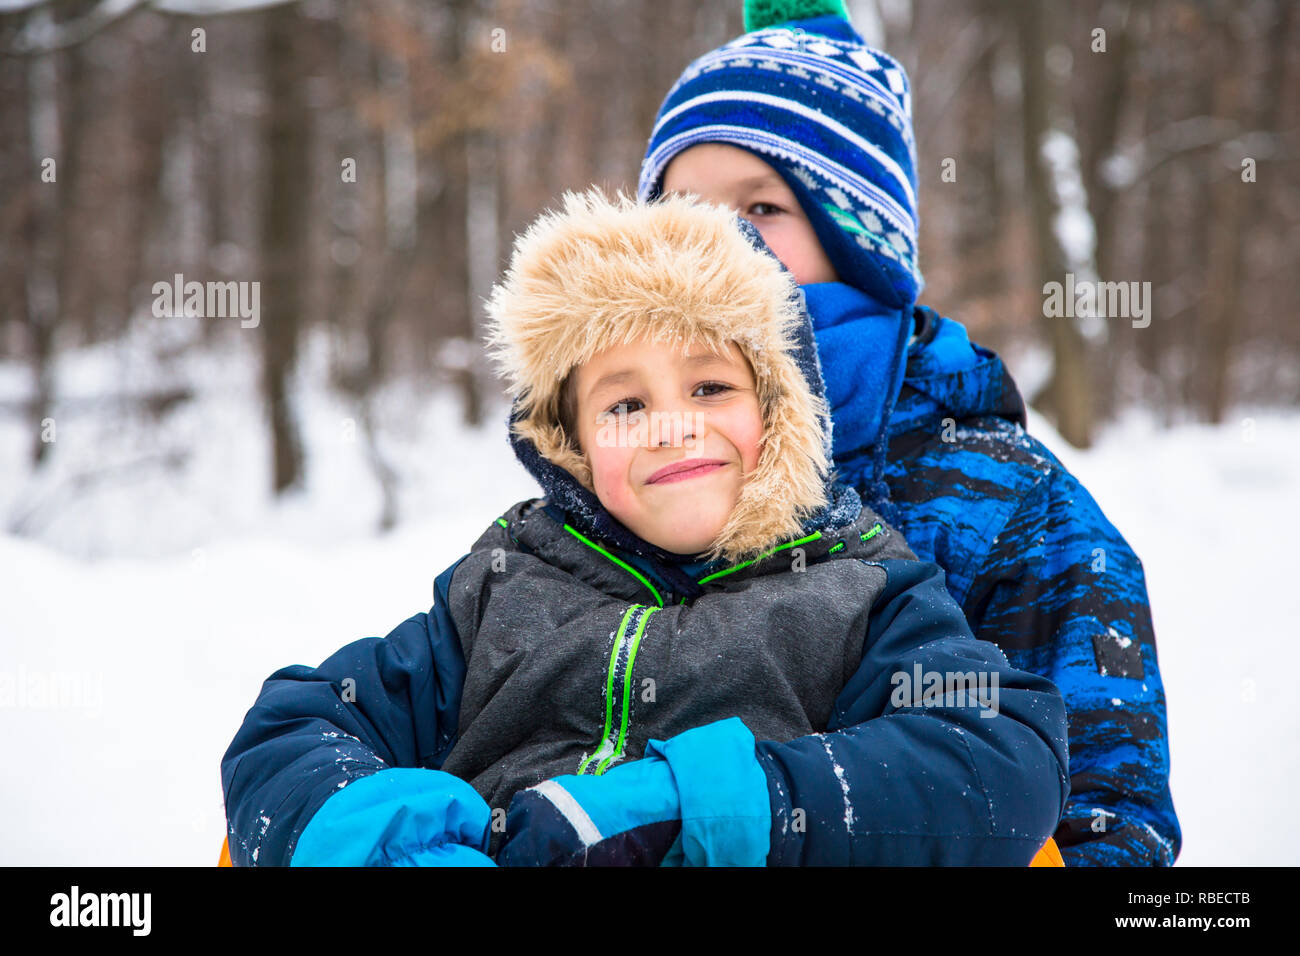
602	272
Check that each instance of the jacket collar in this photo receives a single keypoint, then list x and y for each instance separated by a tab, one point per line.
546	530
949	376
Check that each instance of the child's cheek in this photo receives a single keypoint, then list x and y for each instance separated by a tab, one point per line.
744	429
609	473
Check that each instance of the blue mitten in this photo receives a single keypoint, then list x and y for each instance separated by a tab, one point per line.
403	816
699	799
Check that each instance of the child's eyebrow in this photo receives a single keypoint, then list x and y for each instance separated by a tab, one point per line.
707	358
750	182
615	378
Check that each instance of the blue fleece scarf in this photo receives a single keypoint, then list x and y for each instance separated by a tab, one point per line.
862	344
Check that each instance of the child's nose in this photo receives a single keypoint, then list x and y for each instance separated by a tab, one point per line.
677	426
686	440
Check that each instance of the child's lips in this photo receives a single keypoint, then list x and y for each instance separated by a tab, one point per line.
685	470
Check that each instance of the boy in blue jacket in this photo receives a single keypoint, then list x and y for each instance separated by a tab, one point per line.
642	666
807	132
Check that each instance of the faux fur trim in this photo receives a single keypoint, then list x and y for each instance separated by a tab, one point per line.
603	272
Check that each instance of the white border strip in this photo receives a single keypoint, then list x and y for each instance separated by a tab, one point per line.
571	810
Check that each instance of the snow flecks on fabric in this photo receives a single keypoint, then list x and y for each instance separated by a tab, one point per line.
1117	655
344	758
780	809
243	844
1164	843
605	750
844	783
340	733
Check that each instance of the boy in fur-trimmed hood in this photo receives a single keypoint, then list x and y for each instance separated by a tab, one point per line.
682	280
640	665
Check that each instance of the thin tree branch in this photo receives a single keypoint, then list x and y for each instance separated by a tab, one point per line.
42	35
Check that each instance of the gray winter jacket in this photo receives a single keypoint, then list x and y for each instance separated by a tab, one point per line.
574	660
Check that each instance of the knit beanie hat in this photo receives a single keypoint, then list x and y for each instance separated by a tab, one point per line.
600	273
804	92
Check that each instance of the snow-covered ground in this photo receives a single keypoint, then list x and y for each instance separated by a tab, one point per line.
145	603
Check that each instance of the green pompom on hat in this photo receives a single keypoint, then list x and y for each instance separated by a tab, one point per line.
760	14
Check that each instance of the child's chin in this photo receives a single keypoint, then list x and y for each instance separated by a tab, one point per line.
695	520
697	540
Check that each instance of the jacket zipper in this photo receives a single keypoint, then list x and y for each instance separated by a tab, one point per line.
622	658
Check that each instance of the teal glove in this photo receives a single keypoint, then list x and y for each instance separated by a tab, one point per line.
399	817
699	799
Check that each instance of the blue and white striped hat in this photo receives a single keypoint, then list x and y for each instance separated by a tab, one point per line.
830	114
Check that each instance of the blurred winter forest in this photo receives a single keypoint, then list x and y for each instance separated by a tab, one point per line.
368	164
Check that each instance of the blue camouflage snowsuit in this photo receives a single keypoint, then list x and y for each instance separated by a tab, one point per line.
1039	571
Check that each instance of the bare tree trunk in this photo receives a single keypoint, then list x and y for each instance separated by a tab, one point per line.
452	207
72	270
284	236
149	121
347	196
1103	135
980	203
1067	396
42	280
1229	195
1157	266
1236	203
482	232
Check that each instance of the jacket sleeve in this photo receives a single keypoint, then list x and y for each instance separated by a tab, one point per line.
906	776
1065	596
376	704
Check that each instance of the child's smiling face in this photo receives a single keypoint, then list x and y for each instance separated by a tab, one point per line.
734	177
645	410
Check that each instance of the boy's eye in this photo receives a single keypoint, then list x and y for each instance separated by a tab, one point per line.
764	205
712	388
623	407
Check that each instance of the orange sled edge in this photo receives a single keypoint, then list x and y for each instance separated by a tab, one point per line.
1049	855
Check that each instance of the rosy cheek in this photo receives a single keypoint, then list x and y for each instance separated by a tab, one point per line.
750	449
743	427
609	473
